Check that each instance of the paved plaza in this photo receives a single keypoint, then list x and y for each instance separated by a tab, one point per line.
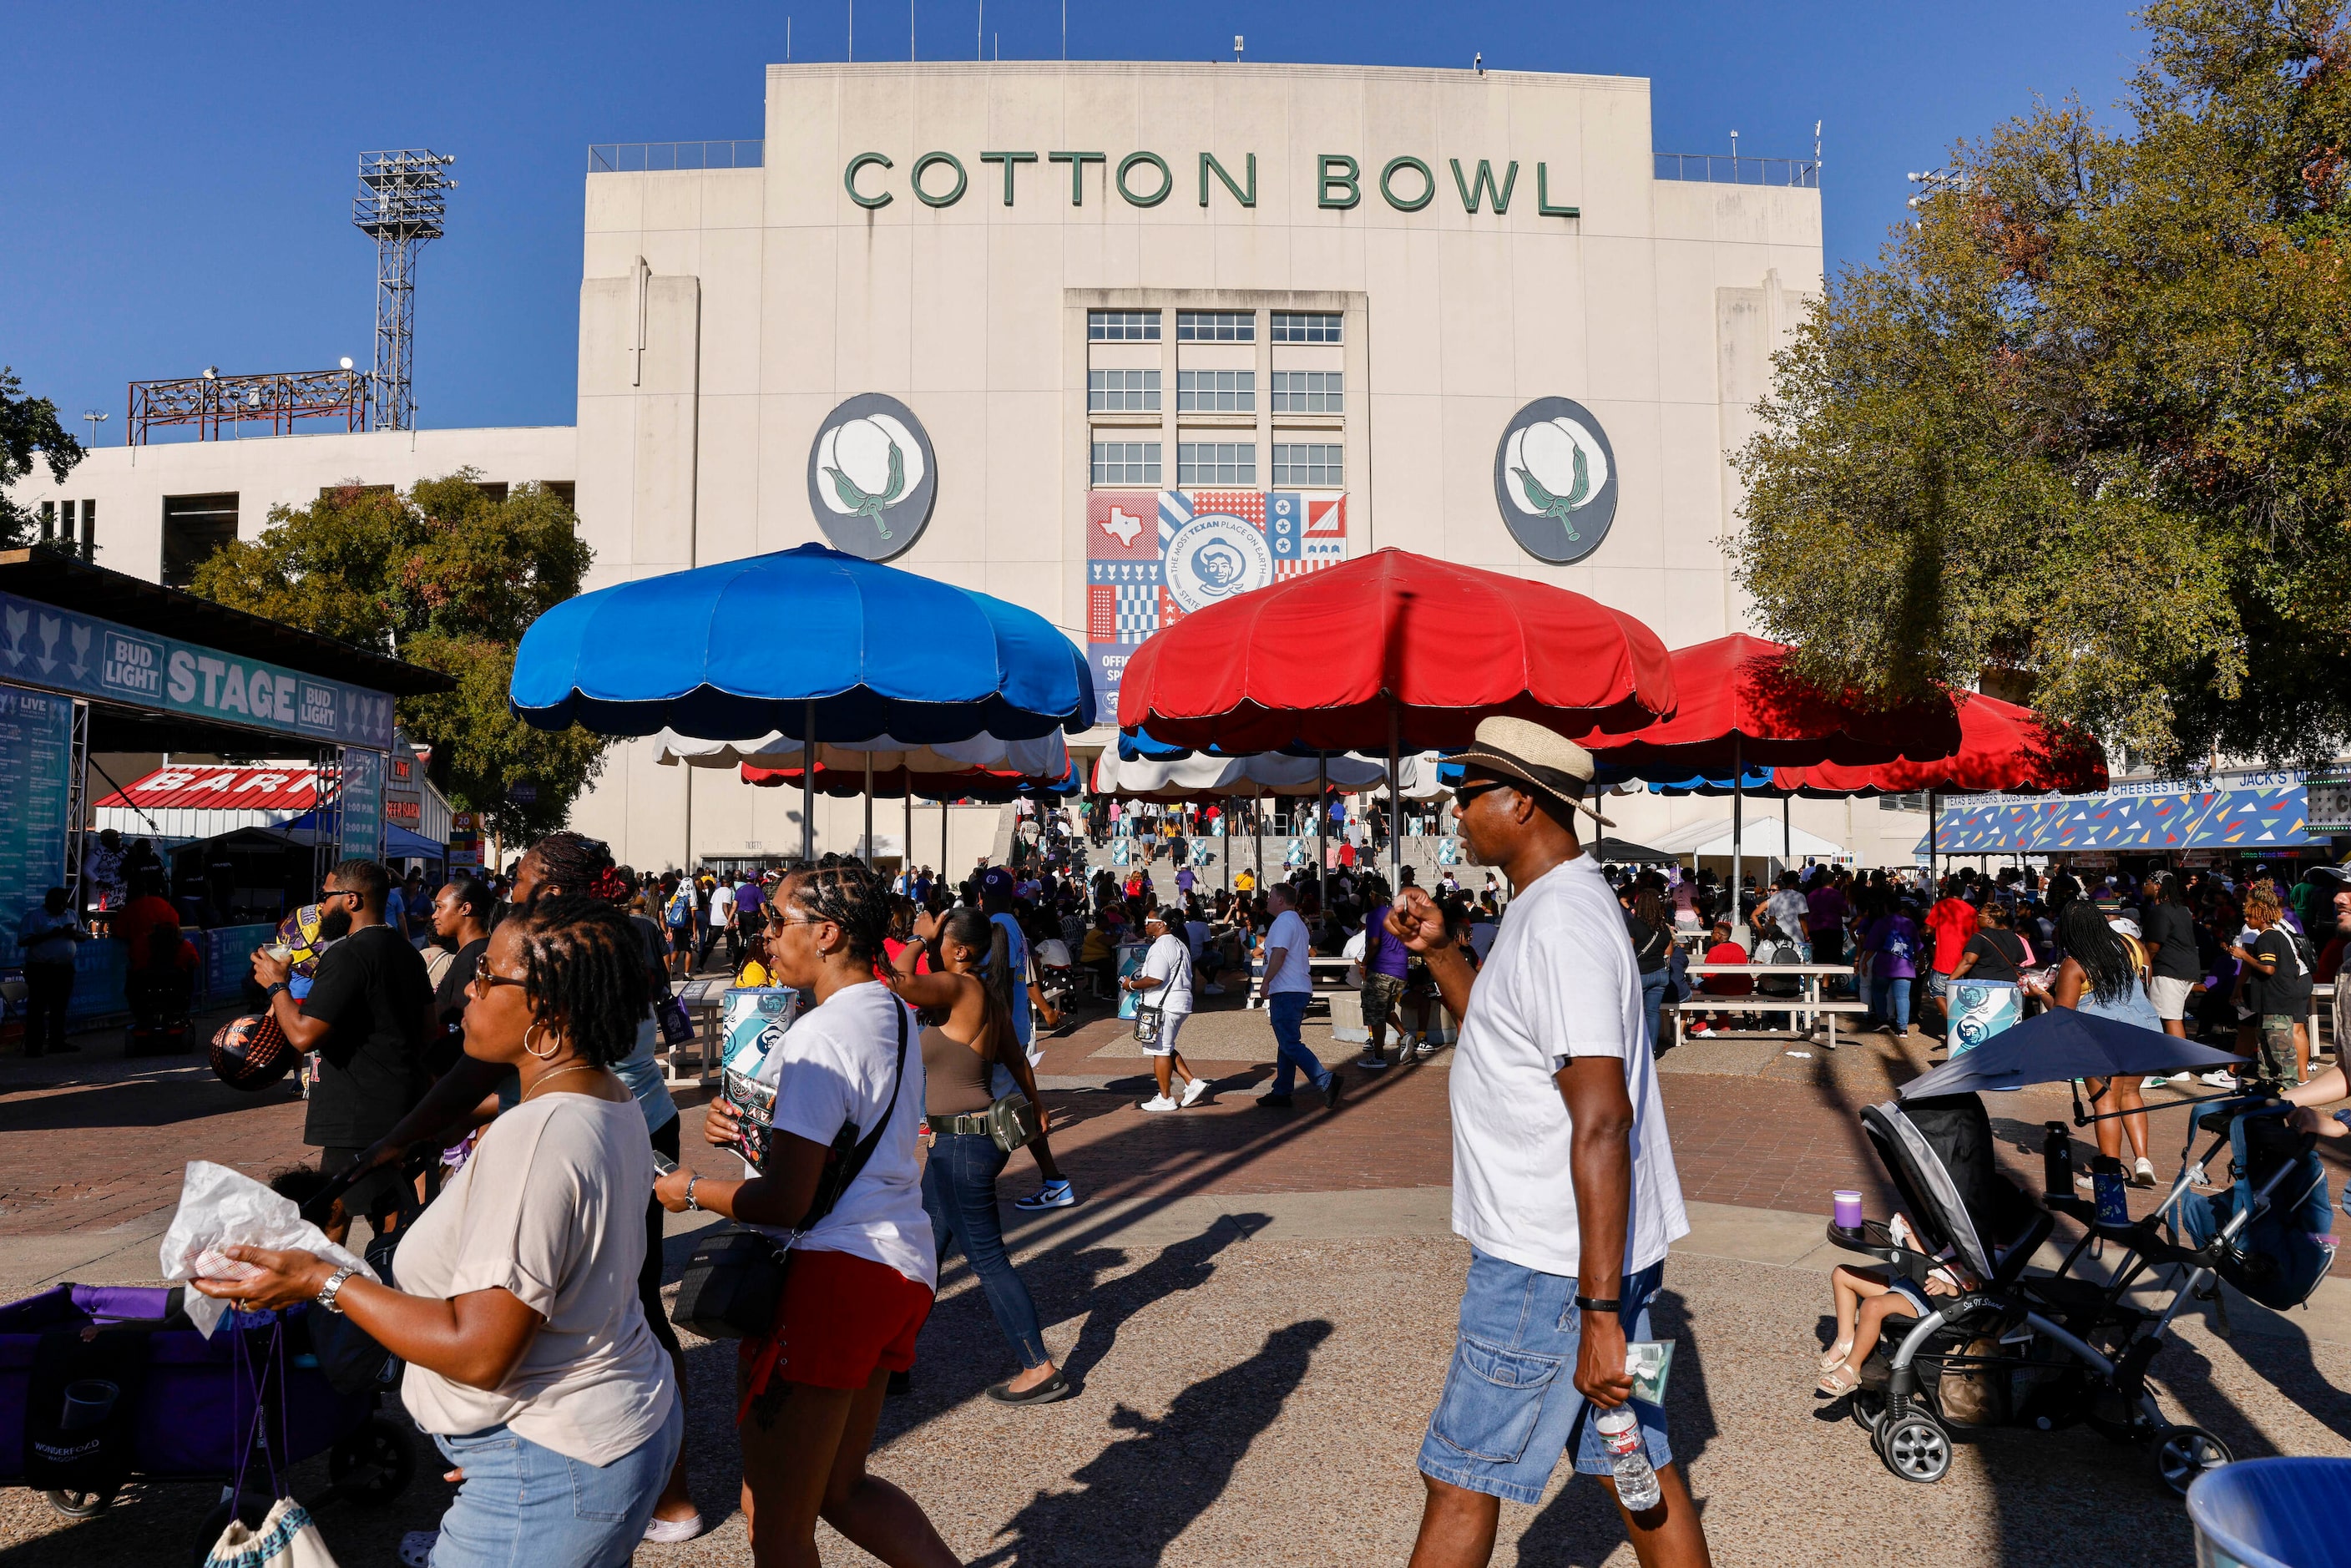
1257	1309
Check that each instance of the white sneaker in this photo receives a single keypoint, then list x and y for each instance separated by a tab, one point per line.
1427	1048
670	1531
2221	1079
1158	1103
2178	1078
2143	1173
1193	1089
2155	1081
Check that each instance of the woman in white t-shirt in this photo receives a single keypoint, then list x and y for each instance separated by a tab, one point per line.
862	1273
529	1360
1164	982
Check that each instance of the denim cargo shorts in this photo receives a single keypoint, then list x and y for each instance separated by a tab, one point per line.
1510	1408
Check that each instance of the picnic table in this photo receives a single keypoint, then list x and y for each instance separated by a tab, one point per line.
1806	1003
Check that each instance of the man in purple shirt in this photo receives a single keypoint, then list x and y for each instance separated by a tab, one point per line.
1385	960
750	911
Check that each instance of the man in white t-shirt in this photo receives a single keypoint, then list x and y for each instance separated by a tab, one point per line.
1288	986
1563	1181
721	919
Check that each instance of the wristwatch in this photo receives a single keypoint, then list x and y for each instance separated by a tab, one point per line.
333	1287
275	987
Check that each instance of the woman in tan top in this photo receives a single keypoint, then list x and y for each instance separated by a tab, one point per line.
959	1180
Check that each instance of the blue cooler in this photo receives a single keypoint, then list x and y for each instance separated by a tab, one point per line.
2271	1513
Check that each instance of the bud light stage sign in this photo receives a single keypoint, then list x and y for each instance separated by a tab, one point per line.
60	650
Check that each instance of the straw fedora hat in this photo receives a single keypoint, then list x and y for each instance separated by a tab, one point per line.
1524	751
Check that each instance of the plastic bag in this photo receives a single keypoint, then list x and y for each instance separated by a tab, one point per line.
220	1209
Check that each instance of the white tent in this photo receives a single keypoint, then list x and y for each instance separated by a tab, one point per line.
1761	838
1267	773
1043	759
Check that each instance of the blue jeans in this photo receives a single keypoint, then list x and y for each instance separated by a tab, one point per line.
1288	1010
522	1506
959	1195
1654	985
1511	1408
1889	1001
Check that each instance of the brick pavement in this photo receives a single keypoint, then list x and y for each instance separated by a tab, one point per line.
91	1142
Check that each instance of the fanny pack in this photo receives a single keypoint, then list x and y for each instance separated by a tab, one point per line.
1150	1018
1011	1124
732	1286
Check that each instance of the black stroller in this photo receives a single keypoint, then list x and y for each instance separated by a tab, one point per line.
2037	1351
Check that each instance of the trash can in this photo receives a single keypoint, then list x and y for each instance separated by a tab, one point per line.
2271	1513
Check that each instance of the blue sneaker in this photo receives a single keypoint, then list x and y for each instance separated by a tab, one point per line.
1052	1194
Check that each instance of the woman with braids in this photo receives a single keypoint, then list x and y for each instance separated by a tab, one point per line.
863	1273
572	865
973	1037
529	1357
2104	974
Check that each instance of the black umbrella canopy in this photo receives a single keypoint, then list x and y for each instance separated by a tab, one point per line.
2059	1046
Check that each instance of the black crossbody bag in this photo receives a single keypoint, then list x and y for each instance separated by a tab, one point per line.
734	1283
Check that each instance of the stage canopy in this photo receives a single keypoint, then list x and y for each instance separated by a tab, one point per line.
2174	815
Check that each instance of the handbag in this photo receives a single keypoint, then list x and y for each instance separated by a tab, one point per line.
287	1538
1150	1018
677	1023
732	1286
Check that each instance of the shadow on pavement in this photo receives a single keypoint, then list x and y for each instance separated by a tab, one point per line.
1142	1491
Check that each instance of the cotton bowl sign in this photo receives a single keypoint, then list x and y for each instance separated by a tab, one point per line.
1555	480
871	477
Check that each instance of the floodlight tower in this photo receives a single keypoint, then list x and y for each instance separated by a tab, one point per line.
401	202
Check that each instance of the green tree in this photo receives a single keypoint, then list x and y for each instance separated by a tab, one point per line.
2085	427
30	433
448	577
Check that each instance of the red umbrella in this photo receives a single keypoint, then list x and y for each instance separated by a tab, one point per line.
2003	750
1740	706
1391	650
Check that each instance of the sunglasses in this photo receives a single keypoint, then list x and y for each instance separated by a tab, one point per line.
1465	793
486	980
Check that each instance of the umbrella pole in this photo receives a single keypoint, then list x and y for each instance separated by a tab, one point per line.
1227	846
906	833
1395	807
869	807
1257	824
943	839
1738	813
808	784
1321	816
1933	816
1787	830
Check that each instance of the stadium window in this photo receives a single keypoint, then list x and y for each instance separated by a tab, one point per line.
1215	391
1121	392
1216	463
1122	326
1308	391
1126	463
193	528
1215	326
1314	465
1305	327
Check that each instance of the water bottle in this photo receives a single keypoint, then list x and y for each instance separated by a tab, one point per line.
2057	1161
1637	1482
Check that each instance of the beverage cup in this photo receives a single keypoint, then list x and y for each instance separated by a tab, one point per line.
87	1404
1848	1209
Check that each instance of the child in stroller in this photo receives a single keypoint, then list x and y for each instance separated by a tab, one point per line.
1865	1297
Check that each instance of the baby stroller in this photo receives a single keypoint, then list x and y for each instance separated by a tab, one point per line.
2044	1351
102	1385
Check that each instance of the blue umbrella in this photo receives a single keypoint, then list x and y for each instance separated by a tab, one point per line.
2060	1045
810	642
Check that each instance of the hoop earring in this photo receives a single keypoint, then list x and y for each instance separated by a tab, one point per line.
539	1055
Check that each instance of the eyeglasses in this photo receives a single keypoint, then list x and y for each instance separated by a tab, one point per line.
486	980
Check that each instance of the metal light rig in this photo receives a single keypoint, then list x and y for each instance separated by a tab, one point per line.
401	199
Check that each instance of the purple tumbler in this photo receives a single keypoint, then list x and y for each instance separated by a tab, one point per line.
1848	1209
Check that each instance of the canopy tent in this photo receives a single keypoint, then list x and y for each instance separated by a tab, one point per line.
2266	816
1623	851
1203	777
1044	757
1713	837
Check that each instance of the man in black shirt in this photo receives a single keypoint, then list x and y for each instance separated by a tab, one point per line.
369	1015
2277	987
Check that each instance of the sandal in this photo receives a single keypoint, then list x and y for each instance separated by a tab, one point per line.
1838	1355
1840	1382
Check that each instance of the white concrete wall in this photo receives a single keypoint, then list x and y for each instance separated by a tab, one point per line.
129	482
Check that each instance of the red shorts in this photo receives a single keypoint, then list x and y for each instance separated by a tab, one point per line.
843	1318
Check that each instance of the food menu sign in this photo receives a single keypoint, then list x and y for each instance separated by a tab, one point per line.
362	793
60	650
36	776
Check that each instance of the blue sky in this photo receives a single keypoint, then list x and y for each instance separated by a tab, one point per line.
178	185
